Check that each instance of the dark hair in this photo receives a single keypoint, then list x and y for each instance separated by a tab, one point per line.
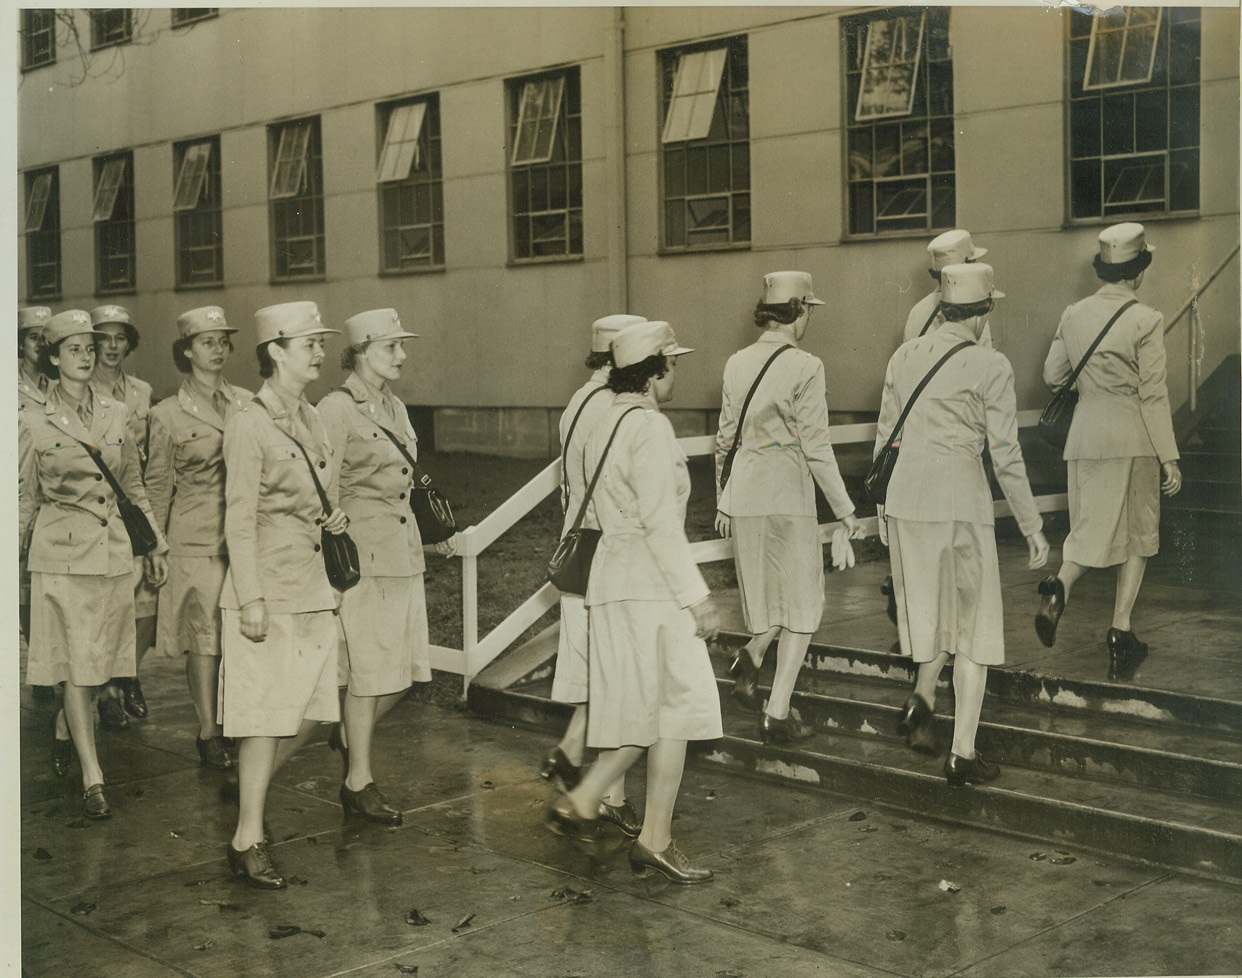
45	359
597	360
21	339
956	312
181	349
349	356
266	365
1121	271
778	312
934	273
635	378
131	334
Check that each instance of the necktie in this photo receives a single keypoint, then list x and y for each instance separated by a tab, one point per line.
219	402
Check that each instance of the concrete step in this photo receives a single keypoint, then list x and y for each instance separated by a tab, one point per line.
1204	465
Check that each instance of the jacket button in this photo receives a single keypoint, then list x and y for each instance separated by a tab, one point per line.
405	471
316	548
98	476
403	519
100	499
401	496
323	464
103	522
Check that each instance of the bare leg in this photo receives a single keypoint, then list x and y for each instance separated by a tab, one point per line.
288	746
666	759
759	642
928	676
573	743
969	682
600	778
258	759
1129	580
144	639
80	719
615	795
1069	574
360	715
202	673
790	654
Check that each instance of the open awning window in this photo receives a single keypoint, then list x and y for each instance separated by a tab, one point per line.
108	188
400	153
695	90
890	67
537	118
1123	47
192	177
36	206
289	173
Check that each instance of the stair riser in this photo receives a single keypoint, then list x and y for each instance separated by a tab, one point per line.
1180	847
1214	467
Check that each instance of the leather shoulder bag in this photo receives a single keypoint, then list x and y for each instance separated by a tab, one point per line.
570	566
1058	415
565	447
876	482
432	512
727	467
340	553
142	538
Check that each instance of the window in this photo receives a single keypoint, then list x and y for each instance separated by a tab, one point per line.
112	26
38	38
185	16
196	213
1133	112
296	200
411	192
114	224
705	144
42	227
545	165
899	110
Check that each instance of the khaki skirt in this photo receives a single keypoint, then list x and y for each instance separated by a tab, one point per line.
780	572
81	629
268	688
651	678
947	580
189	606
1114	507
569	681
384	646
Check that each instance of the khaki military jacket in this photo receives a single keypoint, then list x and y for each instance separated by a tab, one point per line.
785	438
78	527
185	469
1123	407
30	390
575	475
640	505
939	475
137	400
923	309
273	515
374	478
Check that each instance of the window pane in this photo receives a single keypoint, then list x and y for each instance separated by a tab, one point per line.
944	209
861	202
192	176
1184	180
696	170
108	188
1184	54
942	156
1151	120
36	207
675	223
887	160
1134	184
401	138
708	213
741	167
1084	128
1184	117
901	204
695	90
741	217
860	154
890	67
538	114
675	173
718	169
1118	113
914	148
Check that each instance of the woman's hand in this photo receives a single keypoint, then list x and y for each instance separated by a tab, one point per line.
1037	547
882	525
706	618
447	548
855	526
842	549
1171	481
337	522
724	524
254	620
156	570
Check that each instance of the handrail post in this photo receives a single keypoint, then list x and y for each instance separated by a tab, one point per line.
469	610
1193	356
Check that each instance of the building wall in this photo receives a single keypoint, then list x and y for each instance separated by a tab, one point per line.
502	343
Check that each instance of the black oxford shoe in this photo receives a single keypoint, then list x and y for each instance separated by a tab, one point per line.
889	590
1125	654
560	771
369	803
112	714
255	866
917	725
959	771
746	681
1051	607
623	816
132	700
784	731
672	862
564	820
94	804
213	753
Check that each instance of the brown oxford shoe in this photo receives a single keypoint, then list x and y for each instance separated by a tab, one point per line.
784	731
560	771
623	816
746	681
564	820
369	803
213	753
255	866
132	699
94	804
1051	607
112	714
672	862
916	724
1125	654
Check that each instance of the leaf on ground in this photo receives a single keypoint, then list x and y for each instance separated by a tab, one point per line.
487	786
999	909
1062	860
949	887
896	936
858	816
220	904
1038	856
82	908
570	895
205	946
711	794
463	923
730	902
281	931
416	919
406	969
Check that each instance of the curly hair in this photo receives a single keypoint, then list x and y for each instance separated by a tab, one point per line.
1122	271
635	378
181	349
349	356
46	353
21	339
597	360
131	334
956	312
778	312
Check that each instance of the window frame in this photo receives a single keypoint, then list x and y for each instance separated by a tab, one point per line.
555	183
115	235
43	243
524	122
198	228
728	145
189	16
1125	30
305	207
46	26
928	131
1091	116
102	35
419	194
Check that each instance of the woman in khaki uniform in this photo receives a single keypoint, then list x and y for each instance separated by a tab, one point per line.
939	519
649	610
117	339
1120	452
32	386
81	561
279	636
185	483
384	617
768	502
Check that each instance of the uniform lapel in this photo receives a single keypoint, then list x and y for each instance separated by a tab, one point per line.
65	418
197	407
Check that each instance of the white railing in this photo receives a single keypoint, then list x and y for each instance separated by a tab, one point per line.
1194	342
475	653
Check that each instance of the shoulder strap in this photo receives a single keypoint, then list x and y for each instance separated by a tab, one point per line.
919	390
97	458
586	498
323	496
568	435
737	434
420	477
930	319
1091	349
